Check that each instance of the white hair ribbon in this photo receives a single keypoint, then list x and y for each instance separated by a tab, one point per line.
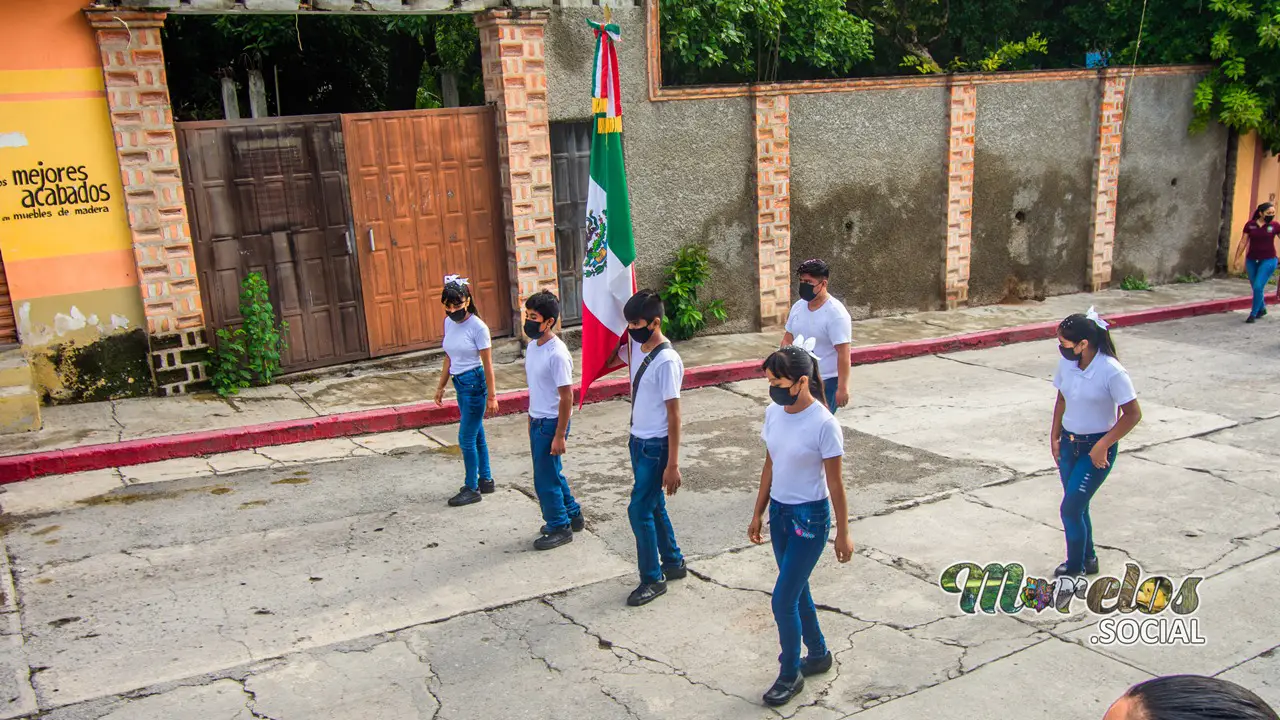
455	280
806	344
1093	315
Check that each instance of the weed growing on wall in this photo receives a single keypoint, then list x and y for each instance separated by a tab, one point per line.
1135	283
685	277
250	354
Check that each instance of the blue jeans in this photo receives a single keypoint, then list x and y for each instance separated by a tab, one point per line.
1080	480
655	539
1259	272
473	395
799	536
829	388
549	482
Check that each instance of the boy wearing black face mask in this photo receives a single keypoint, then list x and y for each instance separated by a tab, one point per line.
548	367
819	316
656	375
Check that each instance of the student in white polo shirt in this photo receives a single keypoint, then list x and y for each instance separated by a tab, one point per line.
1096	407
823	318
800	486
548	367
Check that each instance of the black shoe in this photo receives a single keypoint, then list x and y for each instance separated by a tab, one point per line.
1063	571
576	523
486	486
816	665
646	593
465	496
1091	566
679	572
563	536
783	692
1252	319
1262	313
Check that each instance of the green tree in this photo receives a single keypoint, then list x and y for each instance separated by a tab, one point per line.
717	41
1241	91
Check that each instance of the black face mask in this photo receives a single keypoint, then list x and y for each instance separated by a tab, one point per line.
1069	353
458	315
807	292
1268	219
533	329
640	335
782	396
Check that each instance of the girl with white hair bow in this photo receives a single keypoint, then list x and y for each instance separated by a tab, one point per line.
468	361
1096	407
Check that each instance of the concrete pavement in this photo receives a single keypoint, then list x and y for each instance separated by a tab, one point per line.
346	589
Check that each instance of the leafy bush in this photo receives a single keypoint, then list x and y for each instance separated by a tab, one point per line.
250	354
1188	279
1135	283
685	277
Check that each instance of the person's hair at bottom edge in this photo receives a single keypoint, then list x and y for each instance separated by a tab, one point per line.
1194	697
545	304
645	305
792	363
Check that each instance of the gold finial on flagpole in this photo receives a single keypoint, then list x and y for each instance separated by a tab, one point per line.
608	15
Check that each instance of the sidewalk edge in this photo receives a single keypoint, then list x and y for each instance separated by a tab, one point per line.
16	468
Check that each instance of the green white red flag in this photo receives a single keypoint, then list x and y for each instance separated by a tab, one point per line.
608	275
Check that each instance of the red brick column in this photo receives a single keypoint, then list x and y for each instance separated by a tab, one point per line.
964	113
147	147
1110	138
515	81
773	208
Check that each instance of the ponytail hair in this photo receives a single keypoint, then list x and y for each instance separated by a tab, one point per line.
1078	327
793	363
1262	210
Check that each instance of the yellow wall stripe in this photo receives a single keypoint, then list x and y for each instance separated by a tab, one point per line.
13	82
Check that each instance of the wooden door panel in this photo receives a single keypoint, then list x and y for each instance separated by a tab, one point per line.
436	171
270	196
570	167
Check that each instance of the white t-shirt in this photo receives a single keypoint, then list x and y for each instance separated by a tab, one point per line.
1094	395
798	443
830	325
661	382
548	367
463	342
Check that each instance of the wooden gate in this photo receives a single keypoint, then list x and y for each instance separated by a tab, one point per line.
425	199
270	196
571	168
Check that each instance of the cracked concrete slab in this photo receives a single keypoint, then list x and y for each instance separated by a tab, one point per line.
143	615
1231	624
66	426
238	461
1261	675
1248	468
732	649
1257	436
1004	688
144	417
387	681
1142	500
16	696
314	451
165	470
396	442
220	700
57	492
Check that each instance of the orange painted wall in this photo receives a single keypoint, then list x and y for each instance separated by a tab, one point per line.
71	272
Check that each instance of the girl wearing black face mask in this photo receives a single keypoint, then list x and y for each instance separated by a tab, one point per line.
468	360
1096	407
804	441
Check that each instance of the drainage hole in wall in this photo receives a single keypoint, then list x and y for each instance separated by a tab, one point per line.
1020	216
848	225
1174	182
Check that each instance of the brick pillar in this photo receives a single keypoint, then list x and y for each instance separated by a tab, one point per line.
1110	137
964	113
147	148
515	82
773	208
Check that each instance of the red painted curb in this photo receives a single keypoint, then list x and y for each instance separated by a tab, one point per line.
15	468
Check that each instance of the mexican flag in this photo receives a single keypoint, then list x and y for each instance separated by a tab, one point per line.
608	278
